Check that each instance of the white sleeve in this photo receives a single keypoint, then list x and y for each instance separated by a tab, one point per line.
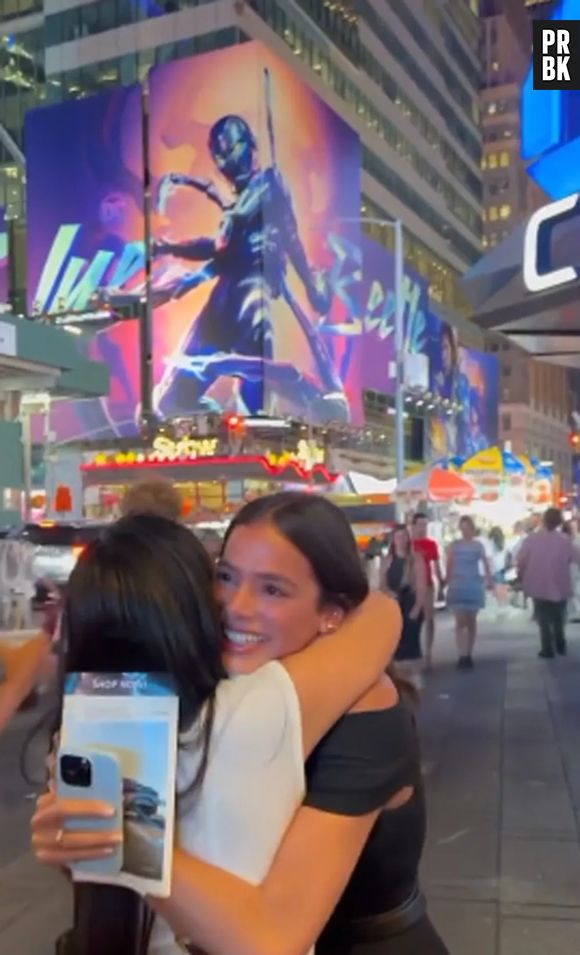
253	785
254	781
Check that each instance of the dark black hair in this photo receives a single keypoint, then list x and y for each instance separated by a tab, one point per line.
552	518
141	598
419	516
322	534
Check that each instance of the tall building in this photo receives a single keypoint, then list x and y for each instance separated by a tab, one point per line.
535	397
406	76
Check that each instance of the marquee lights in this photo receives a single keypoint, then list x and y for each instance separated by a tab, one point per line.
132	461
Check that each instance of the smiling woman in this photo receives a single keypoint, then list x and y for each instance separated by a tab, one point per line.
272	602
141	598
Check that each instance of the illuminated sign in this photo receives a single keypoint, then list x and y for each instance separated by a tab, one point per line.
550	134
164	449
307	455
537	273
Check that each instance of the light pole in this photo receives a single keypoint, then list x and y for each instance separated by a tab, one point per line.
397	225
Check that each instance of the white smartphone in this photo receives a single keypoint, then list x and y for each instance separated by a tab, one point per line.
85	774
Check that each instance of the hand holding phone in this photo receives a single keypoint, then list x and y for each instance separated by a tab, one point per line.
93	776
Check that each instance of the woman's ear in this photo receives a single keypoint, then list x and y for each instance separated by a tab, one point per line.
331	618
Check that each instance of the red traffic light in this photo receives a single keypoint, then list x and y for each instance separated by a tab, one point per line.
574	439
234	422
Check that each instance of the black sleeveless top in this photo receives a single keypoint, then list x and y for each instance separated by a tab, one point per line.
362	763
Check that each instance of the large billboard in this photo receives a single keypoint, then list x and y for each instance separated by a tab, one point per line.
379	307
86	236
465	386
4	274
253	177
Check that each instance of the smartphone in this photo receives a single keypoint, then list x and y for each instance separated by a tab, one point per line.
93	776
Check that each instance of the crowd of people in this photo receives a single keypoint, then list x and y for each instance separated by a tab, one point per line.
540	560
298	751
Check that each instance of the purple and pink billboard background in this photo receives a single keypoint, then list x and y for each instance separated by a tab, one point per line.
86	235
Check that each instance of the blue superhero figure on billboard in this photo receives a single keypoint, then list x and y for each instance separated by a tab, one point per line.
249	256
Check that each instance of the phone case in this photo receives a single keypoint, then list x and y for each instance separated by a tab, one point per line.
106	786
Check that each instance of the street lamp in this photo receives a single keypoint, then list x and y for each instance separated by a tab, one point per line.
397	225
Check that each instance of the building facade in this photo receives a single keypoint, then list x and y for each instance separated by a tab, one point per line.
535	397
405	76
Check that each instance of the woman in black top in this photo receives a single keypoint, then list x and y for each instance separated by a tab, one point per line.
363	818
365	760
405	578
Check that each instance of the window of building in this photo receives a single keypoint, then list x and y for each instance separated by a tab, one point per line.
505	211
504	159
493	213
492	160
506	422
495	66
492	108
483	162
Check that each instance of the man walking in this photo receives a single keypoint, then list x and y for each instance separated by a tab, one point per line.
424	545
544	561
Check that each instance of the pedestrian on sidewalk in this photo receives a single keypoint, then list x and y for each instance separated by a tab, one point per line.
405	579
544	564
429	551
466	558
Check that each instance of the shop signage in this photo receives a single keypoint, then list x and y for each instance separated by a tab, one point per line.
538	274
165	449
306	455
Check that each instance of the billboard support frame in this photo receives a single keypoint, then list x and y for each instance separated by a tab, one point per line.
146	309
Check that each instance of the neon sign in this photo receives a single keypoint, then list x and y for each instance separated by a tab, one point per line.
307	456
550	133
537	274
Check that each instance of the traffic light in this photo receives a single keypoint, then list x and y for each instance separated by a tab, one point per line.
574	440
235	424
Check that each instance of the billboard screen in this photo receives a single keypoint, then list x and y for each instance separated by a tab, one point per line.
379	308
466	382
4	284
252	180
85	235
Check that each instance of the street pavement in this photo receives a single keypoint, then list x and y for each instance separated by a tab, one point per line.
502	757
502	762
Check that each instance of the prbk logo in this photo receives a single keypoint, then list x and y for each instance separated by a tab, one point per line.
556	54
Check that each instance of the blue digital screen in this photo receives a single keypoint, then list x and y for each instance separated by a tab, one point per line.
550	133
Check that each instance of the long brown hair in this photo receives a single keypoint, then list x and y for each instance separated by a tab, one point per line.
409	572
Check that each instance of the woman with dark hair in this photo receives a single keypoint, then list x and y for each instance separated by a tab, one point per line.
405	579
141	598
285	559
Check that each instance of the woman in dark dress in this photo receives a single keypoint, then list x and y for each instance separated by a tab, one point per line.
346	872
405	578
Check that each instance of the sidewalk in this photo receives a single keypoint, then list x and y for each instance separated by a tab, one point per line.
502	748
502	753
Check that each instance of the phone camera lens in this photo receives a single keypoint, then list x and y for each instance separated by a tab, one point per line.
76	771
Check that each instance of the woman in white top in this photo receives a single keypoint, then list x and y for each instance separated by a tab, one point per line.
140	599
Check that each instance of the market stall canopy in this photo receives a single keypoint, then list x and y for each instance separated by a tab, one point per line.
437	485
544	323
